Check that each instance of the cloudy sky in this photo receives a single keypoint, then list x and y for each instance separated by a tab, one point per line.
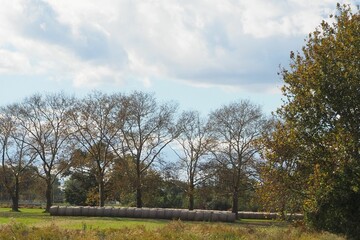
200	53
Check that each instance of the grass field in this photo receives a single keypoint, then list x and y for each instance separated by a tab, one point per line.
34	224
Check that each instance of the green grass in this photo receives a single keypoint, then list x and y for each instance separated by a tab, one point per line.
37	218
35	224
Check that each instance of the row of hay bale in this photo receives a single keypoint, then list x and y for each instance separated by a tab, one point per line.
257	215
268	215
154	213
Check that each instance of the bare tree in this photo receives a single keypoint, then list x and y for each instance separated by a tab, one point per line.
15	154
236	127
46	121
195	142
97	121
147	130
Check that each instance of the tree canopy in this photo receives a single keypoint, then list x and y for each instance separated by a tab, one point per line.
321	113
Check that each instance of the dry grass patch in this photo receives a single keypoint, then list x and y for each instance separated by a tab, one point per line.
171	230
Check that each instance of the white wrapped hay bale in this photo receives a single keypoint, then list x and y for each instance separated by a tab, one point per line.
160	213
145	213
99	211
137	212
153	213
184	215
76	211
191	215
199	215
108	211
207	216
176	214
54	210
130	212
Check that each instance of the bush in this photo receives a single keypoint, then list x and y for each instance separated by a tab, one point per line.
338	212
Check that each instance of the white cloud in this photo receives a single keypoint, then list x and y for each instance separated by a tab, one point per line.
202	42
11	62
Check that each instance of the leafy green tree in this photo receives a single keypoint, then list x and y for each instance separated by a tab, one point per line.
283	171
78	187
157	191
322	107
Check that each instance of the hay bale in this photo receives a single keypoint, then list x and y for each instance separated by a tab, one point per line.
99	211
191	215
184	215
145	213
152	212
76	211
168	214
130	212
62	211
207	216
137	212
121	212
222	217
160	213
68	211
92	212
215	216
127	212
84	211
113	212
199	215
230	217
54	210
108	211
176	214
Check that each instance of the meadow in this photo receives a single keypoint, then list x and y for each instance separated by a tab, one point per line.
34	224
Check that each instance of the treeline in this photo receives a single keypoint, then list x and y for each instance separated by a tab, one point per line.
116	148
305	159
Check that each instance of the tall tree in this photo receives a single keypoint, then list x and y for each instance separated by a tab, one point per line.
148	128
195	142
15	155
46	120
96	122
281	172
322	106
236	127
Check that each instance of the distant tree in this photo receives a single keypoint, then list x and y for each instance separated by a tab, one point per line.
78	186
32	186
195	142
147	129
15	155
46	121
95	119
156	190
236	127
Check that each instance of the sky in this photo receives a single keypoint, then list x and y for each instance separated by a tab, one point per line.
200	53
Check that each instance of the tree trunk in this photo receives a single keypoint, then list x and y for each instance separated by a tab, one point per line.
48	194
191	196
138	186
15	196
138	197
101	192
235	204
